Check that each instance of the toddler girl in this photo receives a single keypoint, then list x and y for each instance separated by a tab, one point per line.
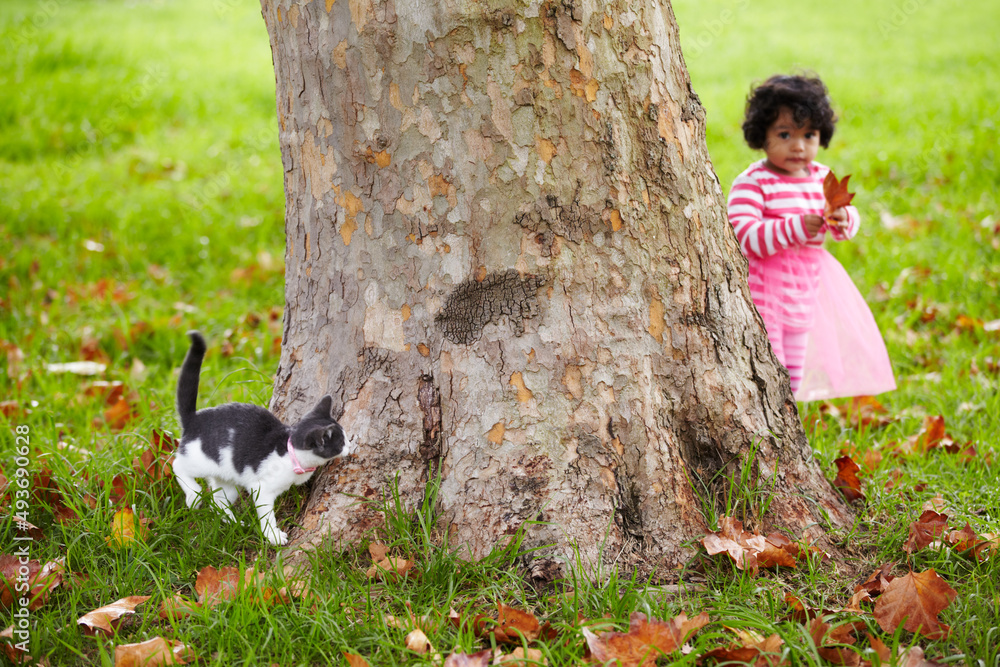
819	325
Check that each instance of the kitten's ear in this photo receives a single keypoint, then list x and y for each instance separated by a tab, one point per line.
324	406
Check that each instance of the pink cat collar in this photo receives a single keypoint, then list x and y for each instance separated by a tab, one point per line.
296	466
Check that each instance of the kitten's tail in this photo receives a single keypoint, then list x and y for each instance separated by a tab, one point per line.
187	385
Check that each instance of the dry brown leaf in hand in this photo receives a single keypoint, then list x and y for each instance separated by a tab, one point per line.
914	601
836	194
929	527
106	619
646	640
847	479
153	653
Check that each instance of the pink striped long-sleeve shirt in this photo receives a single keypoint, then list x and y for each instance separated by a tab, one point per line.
766	210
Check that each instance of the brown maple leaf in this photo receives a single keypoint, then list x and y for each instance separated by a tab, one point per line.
929	527
354	660
914	601
836	195
107	618
847	479
753	651
741	546
41	580
217	585
156	462
831	641
153	653
877	581
177	607
868	412
481	659
646	640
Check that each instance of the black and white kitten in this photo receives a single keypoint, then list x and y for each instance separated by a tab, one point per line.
244	445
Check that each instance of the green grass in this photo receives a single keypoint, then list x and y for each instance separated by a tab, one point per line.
142	183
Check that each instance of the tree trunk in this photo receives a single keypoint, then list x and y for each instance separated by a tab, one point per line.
508	260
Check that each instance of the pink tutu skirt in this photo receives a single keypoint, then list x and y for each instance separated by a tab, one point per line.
845	353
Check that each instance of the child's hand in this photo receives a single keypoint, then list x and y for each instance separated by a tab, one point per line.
812	223
838	219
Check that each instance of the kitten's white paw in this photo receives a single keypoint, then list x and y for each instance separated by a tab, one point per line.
277	537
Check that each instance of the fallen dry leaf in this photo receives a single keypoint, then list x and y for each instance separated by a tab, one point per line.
520	657
932	434
847	479
831	642
153	653
646	640
936	503
354	660
753	651
515	624
741	546
866	411
127	528
914	657
914	601
106	619
217	585
929	527
877	581
119	415
41	579
750	551
177	607
390	568
481	659
417	642
11	409
156	461
7	643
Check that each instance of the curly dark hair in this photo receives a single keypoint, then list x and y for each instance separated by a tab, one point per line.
805	97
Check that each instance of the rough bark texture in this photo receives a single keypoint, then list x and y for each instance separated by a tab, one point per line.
508	260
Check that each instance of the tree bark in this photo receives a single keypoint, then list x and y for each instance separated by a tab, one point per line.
508	260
